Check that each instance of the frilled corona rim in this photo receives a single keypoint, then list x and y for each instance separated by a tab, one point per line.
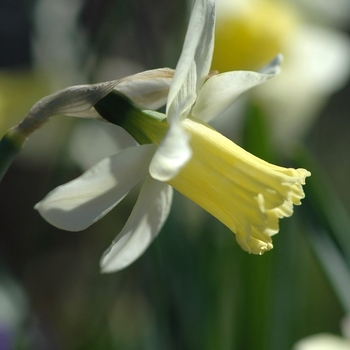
245	193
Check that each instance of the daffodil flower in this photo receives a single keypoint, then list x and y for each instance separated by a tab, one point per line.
178	150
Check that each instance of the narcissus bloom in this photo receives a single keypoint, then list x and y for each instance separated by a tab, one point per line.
177	150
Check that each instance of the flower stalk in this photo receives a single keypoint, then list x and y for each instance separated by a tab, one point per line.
10	146
145	126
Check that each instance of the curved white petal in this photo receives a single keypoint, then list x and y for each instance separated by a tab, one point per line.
73	101
221	90
146	220
195	59
172	154
148	89
205	46
81	202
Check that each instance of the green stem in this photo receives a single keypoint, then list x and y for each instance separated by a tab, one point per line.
10	145
143	125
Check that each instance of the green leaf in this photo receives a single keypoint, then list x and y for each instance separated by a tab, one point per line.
256	135
323	203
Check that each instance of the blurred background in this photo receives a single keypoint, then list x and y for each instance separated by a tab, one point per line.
194	288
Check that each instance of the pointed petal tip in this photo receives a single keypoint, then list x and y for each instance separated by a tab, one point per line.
58	218
105	266
274	66
143	226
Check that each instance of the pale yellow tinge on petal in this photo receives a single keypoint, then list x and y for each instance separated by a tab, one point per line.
245	193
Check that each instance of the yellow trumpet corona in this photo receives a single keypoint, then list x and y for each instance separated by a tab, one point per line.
244	192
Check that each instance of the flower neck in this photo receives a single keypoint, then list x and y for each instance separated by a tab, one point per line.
144	126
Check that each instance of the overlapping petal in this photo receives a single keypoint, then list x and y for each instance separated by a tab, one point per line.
221	90
81	202
72	101
193	65
148	89
146	220
172	154
195	58
204	52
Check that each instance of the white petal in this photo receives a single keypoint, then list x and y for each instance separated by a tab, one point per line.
148	89
146	220
195	59
221	90
172	154
81	202
273	67
74	100
205	47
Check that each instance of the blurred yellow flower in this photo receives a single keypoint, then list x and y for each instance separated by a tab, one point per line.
248	34
316	60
